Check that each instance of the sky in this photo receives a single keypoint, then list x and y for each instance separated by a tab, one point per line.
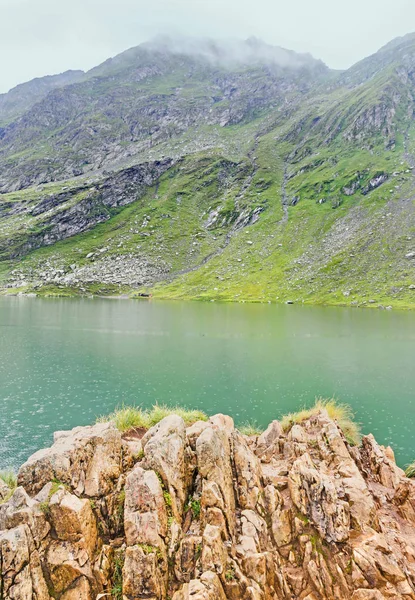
44	37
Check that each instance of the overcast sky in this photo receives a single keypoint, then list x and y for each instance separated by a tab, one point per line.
40	37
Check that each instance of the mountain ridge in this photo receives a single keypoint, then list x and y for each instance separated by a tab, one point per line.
292	156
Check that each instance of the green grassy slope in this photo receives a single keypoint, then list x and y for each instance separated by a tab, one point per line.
347	251
308	198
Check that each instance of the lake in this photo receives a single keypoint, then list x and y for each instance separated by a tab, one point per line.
63	362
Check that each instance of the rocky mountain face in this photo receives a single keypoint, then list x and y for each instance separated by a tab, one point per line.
133	103
203	512
236	139
24	96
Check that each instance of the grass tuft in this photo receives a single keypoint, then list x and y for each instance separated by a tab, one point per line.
56	485
116	591
148	549
250	428
126	418
129	417
342	414
160	411
9	478
195	506
410	470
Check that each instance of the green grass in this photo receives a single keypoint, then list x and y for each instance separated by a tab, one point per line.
194	505
117	579
410	470
307	259
10	479
167	499
250	428
56	485
148	549
342	414
129	417
45	507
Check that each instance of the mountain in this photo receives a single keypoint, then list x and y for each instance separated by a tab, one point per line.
22	97
214	170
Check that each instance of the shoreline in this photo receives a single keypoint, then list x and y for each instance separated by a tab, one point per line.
363	305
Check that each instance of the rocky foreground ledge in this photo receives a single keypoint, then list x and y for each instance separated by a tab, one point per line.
205	513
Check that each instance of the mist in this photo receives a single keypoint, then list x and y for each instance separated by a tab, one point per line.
44	37
229	52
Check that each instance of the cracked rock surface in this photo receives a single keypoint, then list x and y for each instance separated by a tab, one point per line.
205	513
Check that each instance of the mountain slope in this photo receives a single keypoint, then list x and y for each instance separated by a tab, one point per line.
230	172
136	101
21	98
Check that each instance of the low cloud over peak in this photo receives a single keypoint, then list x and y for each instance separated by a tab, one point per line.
230	51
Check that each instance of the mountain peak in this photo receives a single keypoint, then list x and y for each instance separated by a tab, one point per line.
404	40
231	52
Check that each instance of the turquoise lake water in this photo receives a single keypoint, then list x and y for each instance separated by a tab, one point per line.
63	362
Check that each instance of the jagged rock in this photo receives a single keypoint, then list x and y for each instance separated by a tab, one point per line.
72	520
142	576
22	510
21	573
214	464
282	527
382	462
296	514
194	431
208	587
66	562
248	474
164	449
186	557
86	458
315	495
363	594
214	555
145	515
268	440
81	590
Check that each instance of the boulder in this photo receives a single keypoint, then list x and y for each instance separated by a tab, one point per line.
88	459
72	520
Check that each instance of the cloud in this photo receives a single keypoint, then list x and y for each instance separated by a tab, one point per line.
42	37
230	51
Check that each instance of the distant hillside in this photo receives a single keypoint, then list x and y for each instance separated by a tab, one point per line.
24	96
215	170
